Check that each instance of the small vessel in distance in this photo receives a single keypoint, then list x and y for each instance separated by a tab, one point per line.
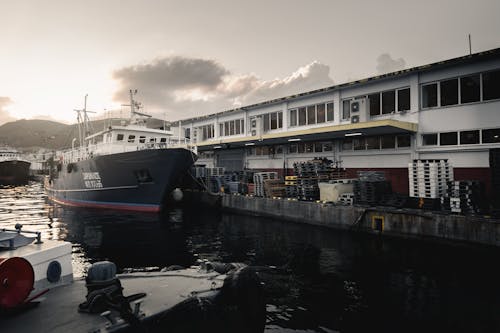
14	169
127	167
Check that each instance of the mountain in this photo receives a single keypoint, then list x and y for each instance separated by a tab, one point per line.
32	134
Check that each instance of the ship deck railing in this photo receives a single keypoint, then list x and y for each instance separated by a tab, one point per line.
83	153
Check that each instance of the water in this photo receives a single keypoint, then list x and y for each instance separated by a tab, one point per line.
315	279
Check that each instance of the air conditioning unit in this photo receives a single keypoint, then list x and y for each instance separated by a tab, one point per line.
359	111
256	126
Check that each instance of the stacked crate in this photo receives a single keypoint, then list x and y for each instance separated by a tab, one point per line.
346	199
258	180
291	186
463	196
274	188
370	187
428	178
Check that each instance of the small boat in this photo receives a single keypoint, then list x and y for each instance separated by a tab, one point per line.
14	169
126	167
38	294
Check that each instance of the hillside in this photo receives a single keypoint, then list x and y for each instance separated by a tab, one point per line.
33	134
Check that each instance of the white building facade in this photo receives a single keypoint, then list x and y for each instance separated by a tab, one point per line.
447	110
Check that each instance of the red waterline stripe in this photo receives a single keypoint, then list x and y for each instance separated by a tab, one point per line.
135	208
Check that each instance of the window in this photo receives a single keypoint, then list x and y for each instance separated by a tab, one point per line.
187	133
232	127
404	99
327	146
469	89
373	142
131	138
321	113
347	144
119	137
469	137
152	140
374	100
279	149
311	114
300	148
280	119
292	149
266	121
206	132
429	95
142	139
388	101
429	139
302	116
403	141
449	92
163	140
346	109
491	85
293	117
448	139
491	135
318	147
359	144
309	147
388	141
329	111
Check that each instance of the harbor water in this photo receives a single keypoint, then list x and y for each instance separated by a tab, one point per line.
315	279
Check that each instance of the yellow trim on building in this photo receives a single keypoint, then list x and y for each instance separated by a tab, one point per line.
403	125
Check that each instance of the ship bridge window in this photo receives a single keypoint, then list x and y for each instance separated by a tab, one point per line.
449	92
131	138
448	139
163	140
142	139
491	135
491	85
119	137
469	137
429	139
152	140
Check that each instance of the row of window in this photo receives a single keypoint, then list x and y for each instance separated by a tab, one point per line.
384	102
462	90
294	148
272	121
205	132
473	137
377	142
142	139
311	114
232	127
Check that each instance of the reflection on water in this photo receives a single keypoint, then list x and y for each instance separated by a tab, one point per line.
316	280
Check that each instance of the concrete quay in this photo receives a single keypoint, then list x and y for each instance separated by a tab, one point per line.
377	220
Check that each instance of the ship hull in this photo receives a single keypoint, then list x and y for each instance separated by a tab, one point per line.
14	172
135	181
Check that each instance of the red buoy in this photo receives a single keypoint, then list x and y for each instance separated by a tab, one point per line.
16	281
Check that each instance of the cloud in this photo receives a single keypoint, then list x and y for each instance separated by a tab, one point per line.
185	87
385	64
5	117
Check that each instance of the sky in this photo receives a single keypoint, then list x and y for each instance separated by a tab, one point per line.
189	58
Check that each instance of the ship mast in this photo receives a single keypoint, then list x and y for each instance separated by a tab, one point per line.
83	121
135	106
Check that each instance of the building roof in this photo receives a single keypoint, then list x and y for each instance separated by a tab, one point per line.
467	59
